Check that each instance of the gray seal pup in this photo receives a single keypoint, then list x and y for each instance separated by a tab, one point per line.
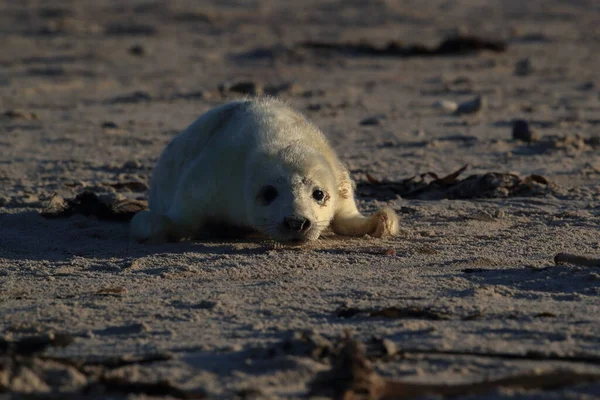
254	165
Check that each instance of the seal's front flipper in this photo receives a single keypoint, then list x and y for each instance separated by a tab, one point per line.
381	224
149	227
387	223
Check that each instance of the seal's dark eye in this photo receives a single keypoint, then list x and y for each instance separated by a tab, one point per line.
268	194
318	195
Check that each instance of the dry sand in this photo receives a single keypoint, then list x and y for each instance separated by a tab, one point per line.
91	92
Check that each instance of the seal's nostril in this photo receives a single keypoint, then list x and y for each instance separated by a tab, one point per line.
297	224
306	224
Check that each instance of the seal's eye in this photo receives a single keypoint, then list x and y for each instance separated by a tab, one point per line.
268	194
318	195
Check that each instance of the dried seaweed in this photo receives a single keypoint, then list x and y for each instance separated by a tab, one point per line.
353	377
450	46
429	186
89	204
457	45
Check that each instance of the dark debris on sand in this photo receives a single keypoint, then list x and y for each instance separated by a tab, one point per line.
25	369
89	204
451	46
352	376
458	45
429	186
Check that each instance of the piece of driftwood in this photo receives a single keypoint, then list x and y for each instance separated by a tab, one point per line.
352	377
456	45
89	204
429	186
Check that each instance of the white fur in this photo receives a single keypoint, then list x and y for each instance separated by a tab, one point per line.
217	171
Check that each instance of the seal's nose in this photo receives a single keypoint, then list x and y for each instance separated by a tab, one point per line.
296	223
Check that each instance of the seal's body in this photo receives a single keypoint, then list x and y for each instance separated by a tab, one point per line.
259	165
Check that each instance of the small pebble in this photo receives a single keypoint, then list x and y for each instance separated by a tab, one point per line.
137	50
482	215
499	214
390	251
472	106
522	131
389	347
587	86
132	164
135	97
373	120
245	87
445	105
290	88
55	204
524	67
109	125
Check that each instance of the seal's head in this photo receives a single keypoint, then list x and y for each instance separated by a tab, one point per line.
291	194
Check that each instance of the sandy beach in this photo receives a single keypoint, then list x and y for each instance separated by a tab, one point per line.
91	92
